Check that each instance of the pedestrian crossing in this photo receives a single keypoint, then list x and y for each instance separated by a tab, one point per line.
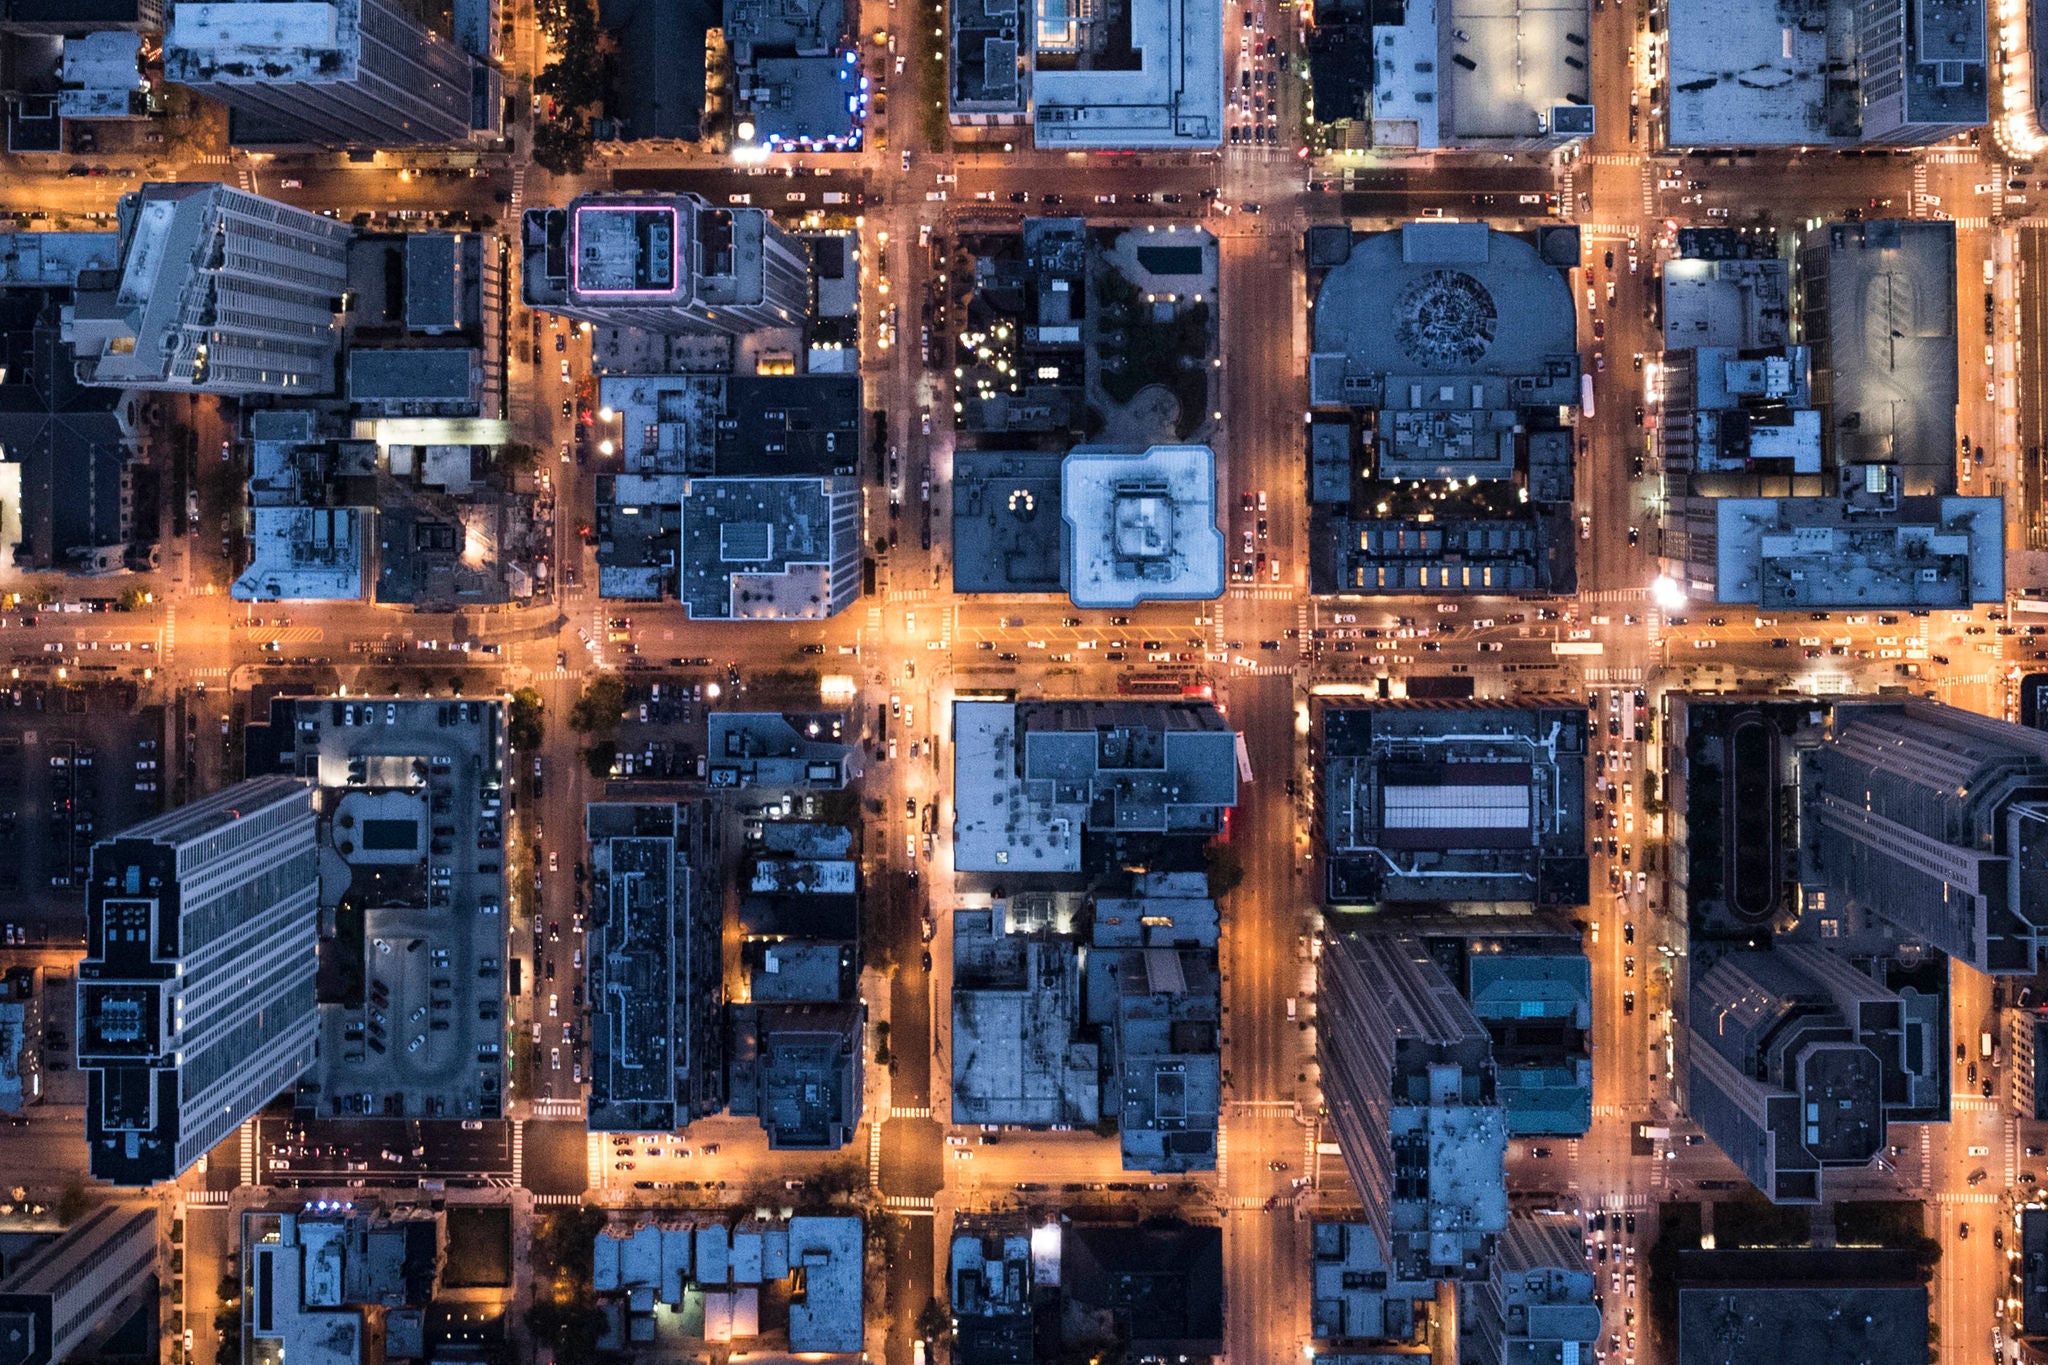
910	1203
1919	190
1276	593
170	627
248	1136
875	1155
557	1201
215	1199
518	1151
550	1108
593	1160
518	184
910	1112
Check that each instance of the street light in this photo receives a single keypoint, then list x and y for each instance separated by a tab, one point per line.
1667	593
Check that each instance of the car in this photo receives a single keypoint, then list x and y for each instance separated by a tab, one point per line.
926	963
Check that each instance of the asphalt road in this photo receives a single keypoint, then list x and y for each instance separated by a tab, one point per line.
1619	190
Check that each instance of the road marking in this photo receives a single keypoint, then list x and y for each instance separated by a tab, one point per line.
249	1152
910	1203
875	1155
910	1112
518	1151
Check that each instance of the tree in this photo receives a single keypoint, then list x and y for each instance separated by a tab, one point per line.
1225	870
599	757
524	727
518	457
562	146
599	708
71	1204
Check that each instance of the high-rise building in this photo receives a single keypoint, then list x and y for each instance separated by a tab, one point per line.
336	73
1936	820
1794	1055
195	998
218	291
668	263
81	1283
1408	1072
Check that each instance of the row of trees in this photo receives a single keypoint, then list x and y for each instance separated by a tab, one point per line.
574	81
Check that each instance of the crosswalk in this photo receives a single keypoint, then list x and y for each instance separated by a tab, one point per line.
208	1198
518	184
518	1151
875	1156
903	1111
1919	191
248	1136
910	1203
170	628
550	1108
557	1201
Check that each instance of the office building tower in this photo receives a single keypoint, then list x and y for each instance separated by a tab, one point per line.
330	73
85	1281
1937	821
1794	1056
1924	69
668	264
1408	1072
218	291
195	998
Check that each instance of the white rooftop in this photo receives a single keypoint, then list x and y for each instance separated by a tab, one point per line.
262	41
305	554
1141	528
1174	98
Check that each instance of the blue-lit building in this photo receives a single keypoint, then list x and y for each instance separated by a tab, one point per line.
797	82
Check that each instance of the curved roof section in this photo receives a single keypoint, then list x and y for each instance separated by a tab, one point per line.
1445	300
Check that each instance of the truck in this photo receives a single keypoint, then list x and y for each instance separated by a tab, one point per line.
1577	647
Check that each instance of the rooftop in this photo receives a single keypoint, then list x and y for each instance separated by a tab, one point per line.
1032	777
263	41
779	749
1827	553
1460	73
649	968
1007	522
625	249
1737	303
1147	75
1737	1325
307	554
1018	1053
1879	311
1482	323
1141	528
769	549
1454	803
799	1068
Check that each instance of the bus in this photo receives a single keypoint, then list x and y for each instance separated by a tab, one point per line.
1577	647
1586	394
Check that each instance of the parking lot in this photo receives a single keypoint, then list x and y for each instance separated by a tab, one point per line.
413	867
76	766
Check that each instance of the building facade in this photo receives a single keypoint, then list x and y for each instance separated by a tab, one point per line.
219	291
333	73
668	264
1936	820
195	997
